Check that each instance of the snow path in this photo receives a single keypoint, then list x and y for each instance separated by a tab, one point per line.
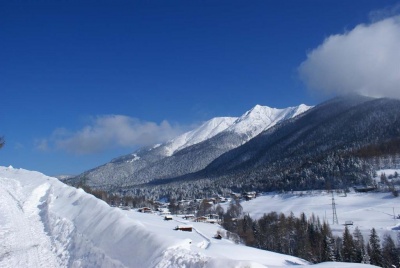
208	244
205	244
24	240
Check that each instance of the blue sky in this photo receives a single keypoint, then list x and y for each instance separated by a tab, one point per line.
86	81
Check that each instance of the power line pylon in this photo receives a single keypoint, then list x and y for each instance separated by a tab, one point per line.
335	219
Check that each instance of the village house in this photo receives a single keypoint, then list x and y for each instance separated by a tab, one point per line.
145	210
185	228
213	218
201	219
189	217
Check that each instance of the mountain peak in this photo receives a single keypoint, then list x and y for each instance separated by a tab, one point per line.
260	118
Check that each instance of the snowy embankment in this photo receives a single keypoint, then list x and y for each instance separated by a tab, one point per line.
44	223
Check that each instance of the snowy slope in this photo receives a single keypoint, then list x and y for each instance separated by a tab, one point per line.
202	133
44	223
251	123
261	118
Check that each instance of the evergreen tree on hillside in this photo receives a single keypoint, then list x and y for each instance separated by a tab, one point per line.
348	249
358	246
303	241
328	246
375	251
390	253
328	249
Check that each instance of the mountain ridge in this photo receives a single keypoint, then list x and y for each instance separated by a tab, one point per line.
188	152
317	150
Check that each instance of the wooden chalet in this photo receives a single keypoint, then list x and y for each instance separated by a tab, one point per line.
185	228
145	210
201	219
189	217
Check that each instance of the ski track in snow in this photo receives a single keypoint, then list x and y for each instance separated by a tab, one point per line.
24	241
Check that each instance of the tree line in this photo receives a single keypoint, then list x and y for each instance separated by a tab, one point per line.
311	239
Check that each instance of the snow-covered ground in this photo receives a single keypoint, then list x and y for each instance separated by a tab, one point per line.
44	223
365	210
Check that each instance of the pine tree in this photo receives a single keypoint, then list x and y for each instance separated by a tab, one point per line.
358	246
303	241
389	252
348	248
328	253
375	253
329	249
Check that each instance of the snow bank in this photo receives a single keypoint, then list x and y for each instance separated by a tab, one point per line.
71	228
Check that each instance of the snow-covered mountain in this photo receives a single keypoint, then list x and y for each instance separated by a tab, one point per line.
261	118
45	223
188	153
202	133
338	142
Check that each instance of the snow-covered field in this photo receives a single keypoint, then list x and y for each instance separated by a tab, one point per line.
44	223
365	210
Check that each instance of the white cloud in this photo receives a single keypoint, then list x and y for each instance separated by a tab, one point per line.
365	60
112	131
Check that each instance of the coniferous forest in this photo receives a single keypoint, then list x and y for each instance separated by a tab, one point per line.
311	239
